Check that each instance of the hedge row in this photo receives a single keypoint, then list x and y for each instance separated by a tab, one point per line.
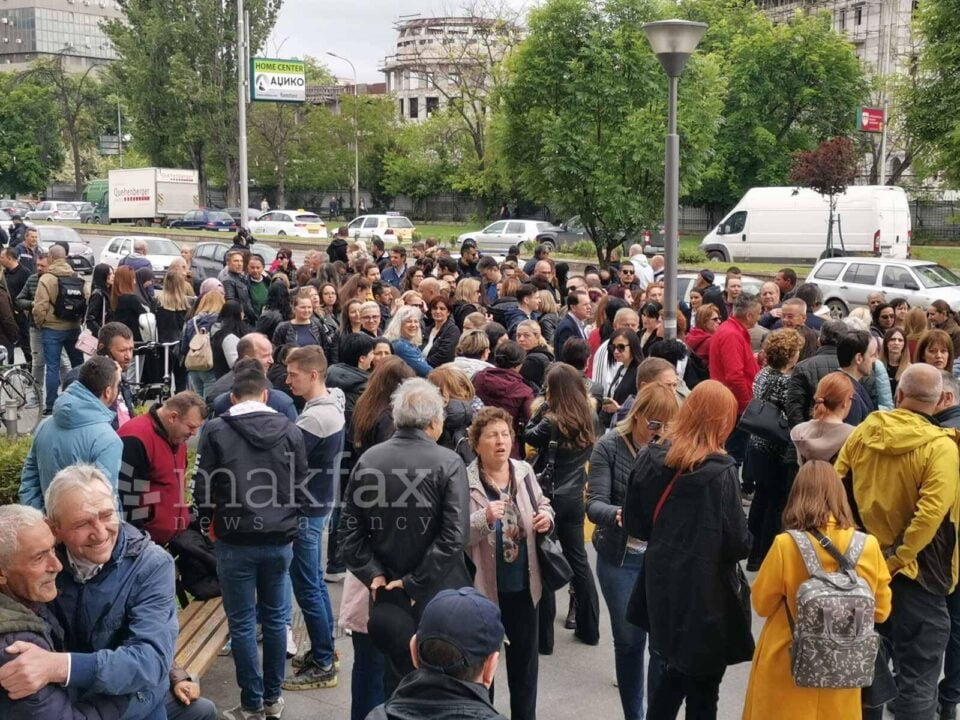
12	457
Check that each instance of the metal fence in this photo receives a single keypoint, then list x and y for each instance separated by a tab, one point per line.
935	221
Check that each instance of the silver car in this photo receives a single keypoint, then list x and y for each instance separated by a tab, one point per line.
79	254
499	236
847	282
53	210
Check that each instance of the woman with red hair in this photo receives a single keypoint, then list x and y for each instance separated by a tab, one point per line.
684	501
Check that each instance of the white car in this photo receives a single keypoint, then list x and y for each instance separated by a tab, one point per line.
385	227
502	234
298	223
160	251
57	211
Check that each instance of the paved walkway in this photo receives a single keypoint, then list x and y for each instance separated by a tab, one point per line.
575	682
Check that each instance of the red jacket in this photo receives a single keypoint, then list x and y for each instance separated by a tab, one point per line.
505	388
698	340
732	361
152	477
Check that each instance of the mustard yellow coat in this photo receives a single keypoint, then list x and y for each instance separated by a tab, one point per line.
771	692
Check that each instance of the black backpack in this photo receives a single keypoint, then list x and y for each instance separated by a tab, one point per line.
71	304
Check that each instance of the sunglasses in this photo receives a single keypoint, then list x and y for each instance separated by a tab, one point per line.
621	348
654	425
627	272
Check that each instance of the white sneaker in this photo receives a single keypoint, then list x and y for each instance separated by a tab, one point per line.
291	646
241	713
274	709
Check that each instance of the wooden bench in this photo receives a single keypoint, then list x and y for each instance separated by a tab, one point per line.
203	631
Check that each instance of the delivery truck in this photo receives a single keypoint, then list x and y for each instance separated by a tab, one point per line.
789	224
145	196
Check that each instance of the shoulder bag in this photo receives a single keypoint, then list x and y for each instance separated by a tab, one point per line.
765	419
545	476
555	571
87	342
199	351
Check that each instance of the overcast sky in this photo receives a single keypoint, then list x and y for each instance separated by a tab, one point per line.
360	30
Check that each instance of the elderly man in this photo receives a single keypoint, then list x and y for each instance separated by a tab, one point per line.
656	265
138	258
903	491
78	432
409	543
793	315
641	265
115	603
235	285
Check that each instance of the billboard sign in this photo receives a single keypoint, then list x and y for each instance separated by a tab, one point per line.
870	120
274	80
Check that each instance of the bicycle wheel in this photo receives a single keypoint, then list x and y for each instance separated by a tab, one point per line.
18	386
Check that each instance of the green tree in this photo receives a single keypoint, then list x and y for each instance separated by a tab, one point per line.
177	70
583	117
931	110
789	86
30	147
427	158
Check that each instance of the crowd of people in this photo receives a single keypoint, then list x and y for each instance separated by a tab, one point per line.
434	433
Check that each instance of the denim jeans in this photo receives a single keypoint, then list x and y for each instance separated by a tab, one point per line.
54	343
309	587
37	361
629	641
252	580
366	680
201	381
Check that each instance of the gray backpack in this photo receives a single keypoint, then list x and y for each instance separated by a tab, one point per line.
834	640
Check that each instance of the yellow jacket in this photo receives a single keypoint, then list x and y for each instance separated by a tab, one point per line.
771	692
904	471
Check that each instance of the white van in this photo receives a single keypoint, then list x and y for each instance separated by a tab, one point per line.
782	224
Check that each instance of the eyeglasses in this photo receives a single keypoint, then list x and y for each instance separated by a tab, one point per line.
620	347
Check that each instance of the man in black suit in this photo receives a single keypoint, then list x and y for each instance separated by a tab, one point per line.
574	322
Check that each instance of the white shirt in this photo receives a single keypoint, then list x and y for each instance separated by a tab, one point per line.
603	373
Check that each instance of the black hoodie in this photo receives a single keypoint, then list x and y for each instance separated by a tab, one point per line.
250	476
352	380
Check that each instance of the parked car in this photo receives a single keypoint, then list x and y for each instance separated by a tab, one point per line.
160	251
209	257
299	223
686	281
847	282
252	213
499	236
85	210
54	210
205	219
79	254
16	207
385	227
101	214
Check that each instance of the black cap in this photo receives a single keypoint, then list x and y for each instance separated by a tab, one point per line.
465	619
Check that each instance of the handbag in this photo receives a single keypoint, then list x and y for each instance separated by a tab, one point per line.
883	690
148	326
545	476
765	419
199	351
555	571
87	342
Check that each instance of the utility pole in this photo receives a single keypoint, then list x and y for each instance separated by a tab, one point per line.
242	92
119	134
356	137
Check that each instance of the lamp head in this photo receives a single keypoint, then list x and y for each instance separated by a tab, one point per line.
673	42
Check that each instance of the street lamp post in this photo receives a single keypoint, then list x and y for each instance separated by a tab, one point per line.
673	42
356	137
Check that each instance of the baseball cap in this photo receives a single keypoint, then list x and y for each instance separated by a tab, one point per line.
465	619
707	275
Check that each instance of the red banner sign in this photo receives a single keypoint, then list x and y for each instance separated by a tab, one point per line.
870	120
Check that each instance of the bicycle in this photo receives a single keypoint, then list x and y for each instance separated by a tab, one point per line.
20	398
158	392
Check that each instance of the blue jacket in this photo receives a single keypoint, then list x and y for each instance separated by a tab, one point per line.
405	350
322	424
567	329
121	627
54	702
390	275
80	430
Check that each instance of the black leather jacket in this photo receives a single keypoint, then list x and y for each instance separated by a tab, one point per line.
802	385
570	472
419	523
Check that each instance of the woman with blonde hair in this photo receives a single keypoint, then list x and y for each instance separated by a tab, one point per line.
539	355
619	557
203	317
466	300
915	326
818	509
822	437
460	404
549	315
694	615
473	352
173	303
